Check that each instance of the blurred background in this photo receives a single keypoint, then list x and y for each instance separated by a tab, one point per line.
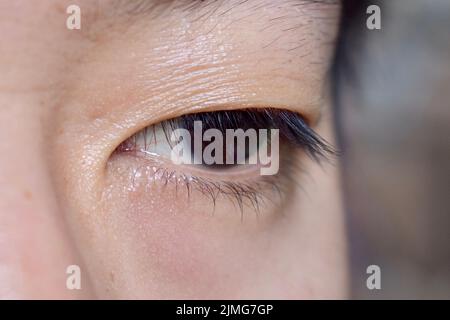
392	90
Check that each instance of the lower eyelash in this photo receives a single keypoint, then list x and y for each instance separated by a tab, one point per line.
254	193
243	194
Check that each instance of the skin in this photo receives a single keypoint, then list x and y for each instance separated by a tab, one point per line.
70	97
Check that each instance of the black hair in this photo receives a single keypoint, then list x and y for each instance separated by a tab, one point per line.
348	53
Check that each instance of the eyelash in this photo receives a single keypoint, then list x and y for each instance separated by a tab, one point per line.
293	130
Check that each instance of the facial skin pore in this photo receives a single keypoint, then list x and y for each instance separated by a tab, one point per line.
69	98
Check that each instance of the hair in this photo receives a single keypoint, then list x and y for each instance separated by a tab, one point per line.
348	53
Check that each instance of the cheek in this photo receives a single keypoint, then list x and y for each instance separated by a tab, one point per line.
162	242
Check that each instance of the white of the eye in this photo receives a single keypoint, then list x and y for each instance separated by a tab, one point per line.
153	141
253	157
156	141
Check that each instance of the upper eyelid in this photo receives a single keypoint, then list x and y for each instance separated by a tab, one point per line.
135	123
292	127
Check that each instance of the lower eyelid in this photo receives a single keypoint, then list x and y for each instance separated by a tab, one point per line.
143	176
153	163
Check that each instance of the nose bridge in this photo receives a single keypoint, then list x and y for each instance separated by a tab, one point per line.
33	236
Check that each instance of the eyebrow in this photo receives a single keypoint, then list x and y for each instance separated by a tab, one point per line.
154	8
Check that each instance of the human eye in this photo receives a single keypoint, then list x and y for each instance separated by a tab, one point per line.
282	136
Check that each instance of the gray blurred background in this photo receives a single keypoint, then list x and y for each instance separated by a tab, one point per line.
394	114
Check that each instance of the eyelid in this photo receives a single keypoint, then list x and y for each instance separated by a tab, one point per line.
249	192
293	127
153	143
293	131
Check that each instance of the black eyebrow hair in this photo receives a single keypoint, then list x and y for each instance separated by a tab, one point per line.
137	7
157	7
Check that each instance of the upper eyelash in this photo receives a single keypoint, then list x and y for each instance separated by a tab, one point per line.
293	127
